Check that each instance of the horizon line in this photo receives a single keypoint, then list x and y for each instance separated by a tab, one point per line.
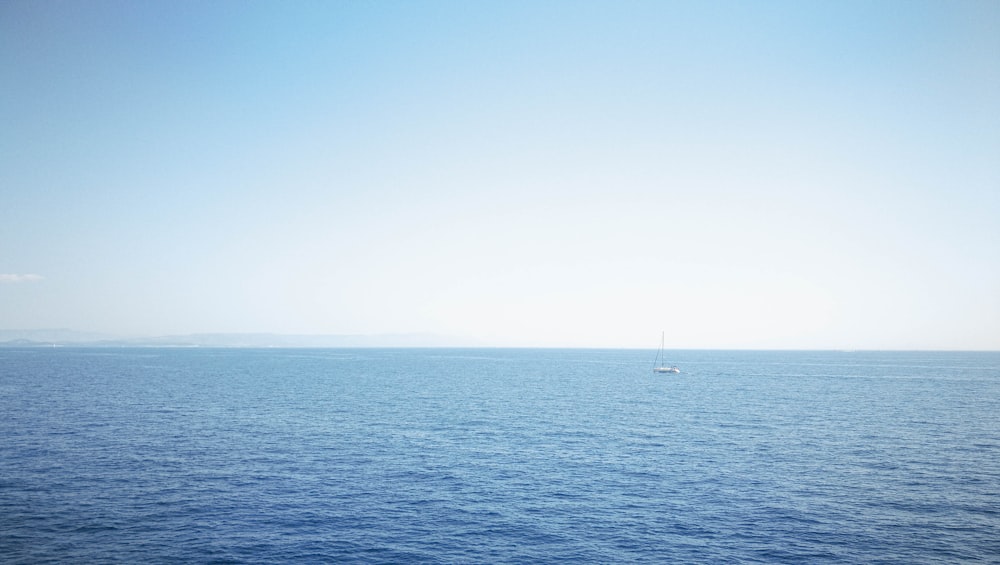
99	339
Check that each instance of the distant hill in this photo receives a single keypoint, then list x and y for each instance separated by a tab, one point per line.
48	338
285	340
51	336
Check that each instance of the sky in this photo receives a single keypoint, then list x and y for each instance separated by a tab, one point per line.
763	175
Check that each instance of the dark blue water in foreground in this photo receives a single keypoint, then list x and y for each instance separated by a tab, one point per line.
446	456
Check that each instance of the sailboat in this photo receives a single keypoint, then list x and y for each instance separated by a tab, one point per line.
660	364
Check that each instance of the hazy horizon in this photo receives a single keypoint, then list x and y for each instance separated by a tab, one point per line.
355	341
740	175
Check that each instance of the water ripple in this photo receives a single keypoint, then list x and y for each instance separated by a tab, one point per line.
517	456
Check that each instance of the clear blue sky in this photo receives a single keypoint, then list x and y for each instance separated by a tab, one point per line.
739	174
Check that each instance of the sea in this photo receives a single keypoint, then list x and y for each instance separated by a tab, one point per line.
194	455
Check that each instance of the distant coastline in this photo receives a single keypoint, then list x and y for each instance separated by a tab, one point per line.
64	338
42	338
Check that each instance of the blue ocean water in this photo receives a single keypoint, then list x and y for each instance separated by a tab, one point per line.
497	456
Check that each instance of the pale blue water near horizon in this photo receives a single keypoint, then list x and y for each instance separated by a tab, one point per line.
497	456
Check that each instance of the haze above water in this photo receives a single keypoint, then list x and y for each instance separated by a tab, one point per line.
584	174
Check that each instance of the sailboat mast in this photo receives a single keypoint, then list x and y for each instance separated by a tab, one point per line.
662	336
659	354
